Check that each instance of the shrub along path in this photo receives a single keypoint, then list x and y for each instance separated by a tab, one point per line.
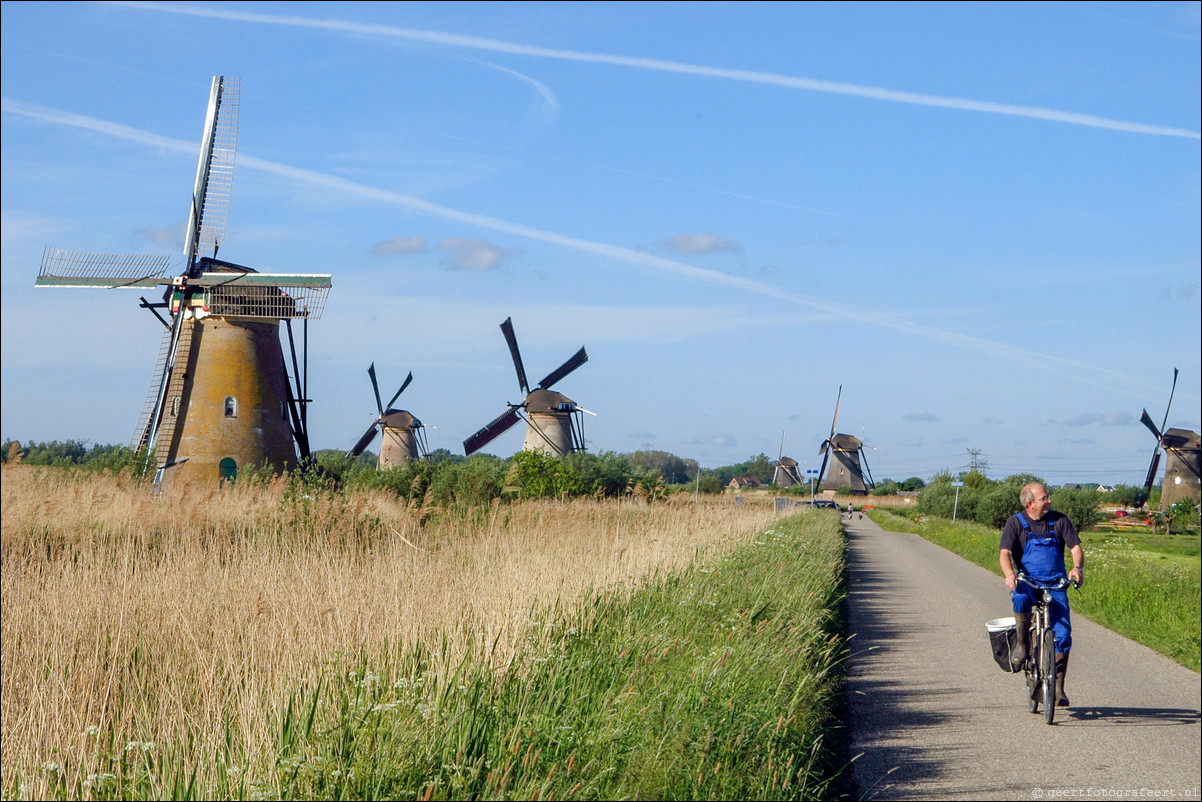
933	717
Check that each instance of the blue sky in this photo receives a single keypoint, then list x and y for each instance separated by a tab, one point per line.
980	220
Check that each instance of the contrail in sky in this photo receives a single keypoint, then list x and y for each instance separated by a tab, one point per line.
1054	364
790	82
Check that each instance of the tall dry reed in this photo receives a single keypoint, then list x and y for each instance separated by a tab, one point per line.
142	622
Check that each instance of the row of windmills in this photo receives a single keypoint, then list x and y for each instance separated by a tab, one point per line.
222	397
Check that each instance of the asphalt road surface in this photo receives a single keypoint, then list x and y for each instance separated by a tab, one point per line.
933	717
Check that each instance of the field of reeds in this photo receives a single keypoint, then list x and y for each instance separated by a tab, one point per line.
1144	586
276	641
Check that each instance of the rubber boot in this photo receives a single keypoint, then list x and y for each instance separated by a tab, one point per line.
1061	670
1022	629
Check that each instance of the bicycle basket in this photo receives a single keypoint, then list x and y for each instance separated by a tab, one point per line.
1002	639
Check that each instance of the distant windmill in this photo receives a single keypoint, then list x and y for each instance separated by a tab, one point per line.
785	474
1182	467
221	398
554	423
844	453
402	436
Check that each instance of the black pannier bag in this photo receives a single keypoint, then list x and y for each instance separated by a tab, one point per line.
1003	637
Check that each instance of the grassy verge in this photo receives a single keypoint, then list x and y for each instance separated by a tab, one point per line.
1149	591
712	683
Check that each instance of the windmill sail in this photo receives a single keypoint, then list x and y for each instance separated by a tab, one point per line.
63	268
215	170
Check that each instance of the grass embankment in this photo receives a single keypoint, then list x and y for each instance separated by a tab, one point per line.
1146	588
257	642
713	683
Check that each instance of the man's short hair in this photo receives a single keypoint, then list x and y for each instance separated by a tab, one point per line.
1027	494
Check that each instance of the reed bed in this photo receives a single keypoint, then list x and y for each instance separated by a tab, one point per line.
173	628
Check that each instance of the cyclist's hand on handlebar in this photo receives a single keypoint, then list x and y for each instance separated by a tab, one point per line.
1012	581
1077	576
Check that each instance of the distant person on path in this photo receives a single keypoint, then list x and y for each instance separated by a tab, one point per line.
1033	542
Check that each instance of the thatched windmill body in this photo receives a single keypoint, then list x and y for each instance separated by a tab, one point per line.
843	461
402	436
785	474
221	398
1183	458
554	423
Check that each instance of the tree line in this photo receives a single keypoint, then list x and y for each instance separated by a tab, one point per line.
448	479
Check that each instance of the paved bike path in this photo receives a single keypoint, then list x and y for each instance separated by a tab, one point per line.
933	717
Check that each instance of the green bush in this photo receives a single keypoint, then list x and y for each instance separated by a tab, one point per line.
1081	507
76	453
997	504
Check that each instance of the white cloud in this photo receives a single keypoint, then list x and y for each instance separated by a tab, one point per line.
1115	418
399	245
471	254
164	237
700	243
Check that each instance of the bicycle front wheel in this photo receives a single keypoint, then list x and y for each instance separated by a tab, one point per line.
1031	671
1047	666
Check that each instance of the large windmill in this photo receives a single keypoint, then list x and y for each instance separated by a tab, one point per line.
844	454
403	437
220	398
1183	466
555	424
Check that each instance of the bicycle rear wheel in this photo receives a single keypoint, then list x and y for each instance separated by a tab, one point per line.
1047	664
1032	688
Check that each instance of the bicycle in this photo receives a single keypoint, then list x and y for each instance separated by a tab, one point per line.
1040	666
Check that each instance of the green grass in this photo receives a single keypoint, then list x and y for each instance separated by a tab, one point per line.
721	682
1145	587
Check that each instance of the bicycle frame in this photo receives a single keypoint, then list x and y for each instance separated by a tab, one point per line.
1040	668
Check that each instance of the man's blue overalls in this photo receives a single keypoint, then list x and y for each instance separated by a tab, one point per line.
1043	560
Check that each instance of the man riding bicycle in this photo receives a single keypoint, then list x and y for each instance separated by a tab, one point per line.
1034	541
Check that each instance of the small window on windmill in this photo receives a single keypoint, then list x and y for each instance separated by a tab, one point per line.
231	407
175	406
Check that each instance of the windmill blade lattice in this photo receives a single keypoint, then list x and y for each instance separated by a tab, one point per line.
492	430
215	171
512	341
575	361
63	268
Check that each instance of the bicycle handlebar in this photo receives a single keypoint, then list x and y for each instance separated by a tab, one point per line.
1060	584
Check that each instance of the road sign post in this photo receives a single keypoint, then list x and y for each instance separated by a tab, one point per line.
956	506
810	474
